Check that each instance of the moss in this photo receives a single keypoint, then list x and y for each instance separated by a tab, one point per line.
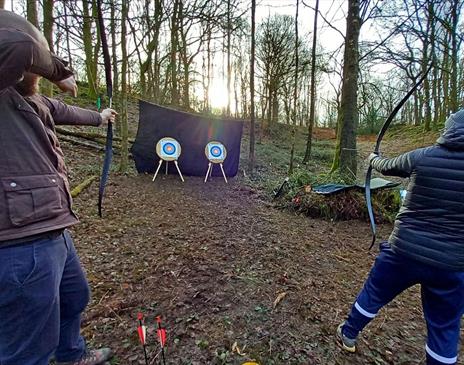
345	205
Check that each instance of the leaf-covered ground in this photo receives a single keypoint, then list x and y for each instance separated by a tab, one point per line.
233	278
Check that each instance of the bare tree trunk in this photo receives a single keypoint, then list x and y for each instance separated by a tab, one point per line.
275	105
68	45
229	69
345	155
32	15
152	48
96	48
174	47
454	21
313	89
425	61
114	57
417	119
435	81
208	68
89	59
445	75
295	93
124	129
236	90
47	86
251	156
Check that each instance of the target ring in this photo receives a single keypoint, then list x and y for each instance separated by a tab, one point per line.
168	149
215	152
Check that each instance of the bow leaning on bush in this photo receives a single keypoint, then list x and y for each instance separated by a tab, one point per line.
380	136
109	92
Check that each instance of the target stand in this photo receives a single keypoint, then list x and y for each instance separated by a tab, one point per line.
168	149
216	153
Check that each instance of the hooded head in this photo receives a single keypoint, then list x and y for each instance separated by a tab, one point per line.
453	134
9	19
29	85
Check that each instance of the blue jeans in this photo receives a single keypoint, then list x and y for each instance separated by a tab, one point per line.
43	292
442	294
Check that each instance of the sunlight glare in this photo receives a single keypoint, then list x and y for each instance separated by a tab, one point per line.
218	94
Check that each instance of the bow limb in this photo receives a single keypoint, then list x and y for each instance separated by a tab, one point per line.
109	91
380	136
370	210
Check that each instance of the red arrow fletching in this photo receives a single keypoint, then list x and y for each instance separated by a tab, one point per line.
162	336
142	334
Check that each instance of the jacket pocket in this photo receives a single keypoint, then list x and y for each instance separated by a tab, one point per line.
33	198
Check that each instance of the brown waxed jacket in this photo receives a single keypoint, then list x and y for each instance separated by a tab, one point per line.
34	190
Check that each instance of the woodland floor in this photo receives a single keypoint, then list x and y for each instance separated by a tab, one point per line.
233	278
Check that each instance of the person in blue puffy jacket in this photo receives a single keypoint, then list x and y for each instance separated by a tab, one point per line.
426	245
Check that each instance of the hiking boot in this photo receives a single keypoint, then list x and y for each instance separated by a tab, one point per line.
348	344
91	357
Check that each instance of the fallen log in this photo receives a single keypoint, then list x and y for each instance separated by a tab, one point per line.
93	145
87	135
82	186
99	146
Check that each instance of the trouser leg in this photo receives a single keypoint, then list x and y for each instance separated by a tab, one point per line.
30	277
74	297
390	275
443	304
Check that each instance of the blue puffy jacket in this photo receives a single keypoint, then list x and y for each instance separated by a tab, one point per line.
430	224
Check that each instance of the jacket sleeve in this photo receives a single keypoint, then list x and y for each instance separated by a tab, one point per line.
64	114
20	53
401	166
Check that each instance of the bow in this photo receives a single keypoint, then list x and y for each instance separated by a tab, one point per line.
380	136
109	92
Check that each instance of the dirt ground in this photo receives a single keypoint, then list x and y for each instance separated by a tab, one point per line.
233	278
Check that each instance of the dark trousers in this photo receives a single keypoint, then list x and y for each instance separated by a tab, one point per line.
442	301
43	292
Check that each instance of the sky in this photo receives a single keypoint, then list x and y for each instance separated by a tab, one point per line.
331	40
333	10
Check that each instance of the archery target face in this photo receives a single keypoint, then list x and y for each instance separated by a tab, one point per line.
216	152
168	149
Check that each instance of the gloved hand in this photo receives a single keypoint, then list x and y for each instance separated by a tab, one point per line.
108	116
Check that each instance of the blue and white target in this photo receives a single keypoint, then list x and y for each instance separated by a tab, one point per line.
169	149
216	151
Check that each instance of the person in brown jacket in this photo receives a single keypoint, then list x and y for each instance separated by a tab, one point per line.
43	289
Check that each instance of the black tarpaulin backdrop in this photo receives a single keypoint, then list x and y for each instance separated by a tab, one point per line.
193	132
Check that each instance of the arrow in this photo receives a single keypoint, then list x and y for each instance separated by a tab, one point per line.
142	331
161	332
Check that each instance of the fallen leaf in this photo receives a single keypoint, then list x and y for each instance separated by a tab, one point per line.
279	298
